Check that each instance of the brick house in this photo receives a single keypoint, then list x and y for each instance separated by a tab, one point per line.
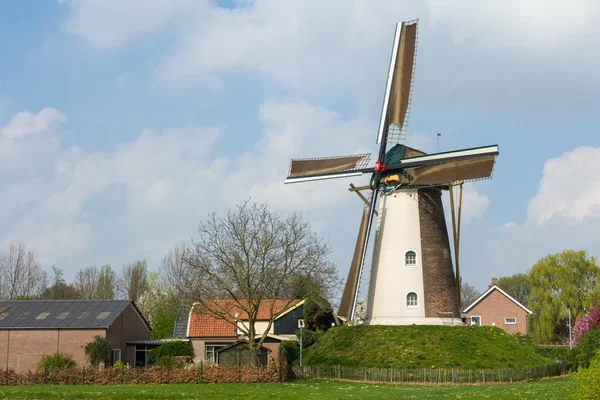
209	334
495	307
30	329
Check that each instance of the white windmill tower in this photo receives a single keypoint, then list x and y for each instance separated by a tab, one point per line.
412	280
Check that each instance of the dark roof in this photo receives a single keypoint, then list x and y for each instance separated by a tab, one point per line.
52	314
181	323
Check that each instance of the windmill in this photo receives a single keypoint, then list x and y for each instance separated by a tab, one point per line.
412	280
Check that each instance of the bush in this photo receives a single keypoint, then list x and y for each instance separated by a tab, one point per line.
289	350
119	365
318	314
170	350
556	353
309	337
586	348
588	380
97	351
56	362
590	321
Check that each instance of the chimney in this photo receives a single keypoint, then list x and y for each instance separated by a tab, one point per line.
494	282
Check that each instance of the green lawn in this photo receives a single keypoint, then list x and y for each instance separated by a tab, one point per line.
547	390
422	346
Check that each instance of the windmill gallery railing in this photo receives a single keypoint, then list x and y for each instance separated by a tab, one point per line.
454	376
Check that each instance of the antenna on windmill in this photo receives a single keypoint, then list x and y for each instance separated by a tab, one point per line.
409	183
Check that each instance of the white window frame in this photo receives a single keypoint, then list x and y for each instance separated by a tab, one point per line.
475	316
406	264
410	306
510	323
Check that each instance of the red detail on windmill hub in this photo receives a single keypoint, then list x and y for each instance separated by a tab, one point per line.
379	166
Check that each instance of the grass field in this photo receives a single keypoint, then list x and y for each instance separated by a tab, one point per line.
422	347
547	389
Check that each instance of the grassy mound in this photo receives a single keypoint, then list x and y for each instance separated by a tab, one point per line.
421	347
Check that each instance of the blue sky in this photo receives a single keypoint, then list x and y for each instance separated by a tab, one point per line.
124	123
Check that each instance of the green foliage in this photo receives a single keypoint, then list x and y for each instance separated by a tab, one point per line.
518	286
586	348
119	365
290	351
558	280
56	362
318	313
588	380
106	283
98	350
421	347
309	337
556	353
163	319
169	350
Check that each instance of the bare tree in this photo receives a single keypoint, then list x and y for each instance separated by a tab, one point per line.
86	282
178	280
469	294
134	280
20	274
249	256
105	290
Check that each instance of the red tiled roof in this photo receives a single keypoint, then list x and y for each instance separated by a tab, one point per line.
202	324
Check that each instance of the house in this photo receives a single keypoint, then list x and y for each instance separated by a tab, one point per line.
495	307
209	334
29	329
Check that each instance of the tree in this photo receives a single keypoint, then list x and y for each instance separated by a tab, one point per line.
134	280
20	274
97	351
318	314
105	290
59	290
468	294
177	278
86	282
559	280
518	286
249	256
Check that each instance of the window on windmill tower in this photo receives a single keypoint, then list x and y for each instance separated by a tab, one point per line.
412	300
410	258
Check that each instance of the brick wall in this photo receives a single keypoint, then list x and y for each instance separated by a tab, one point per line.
439	284
26	347
495	307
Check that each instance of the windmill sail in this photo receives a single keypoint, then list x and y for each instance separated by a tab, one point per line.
351	282
310	169
397	94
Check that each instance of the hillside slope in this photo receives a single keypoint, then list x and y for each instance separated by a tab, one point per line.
421	347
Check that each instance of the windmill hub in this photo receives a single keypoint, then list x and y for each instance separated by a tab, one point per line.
412	280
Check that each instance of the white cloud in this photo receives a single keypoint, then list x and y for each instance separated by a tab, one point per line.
26	123
569	187
521	23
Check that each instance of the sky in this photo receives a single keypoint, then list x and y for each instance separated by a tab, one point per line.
124	123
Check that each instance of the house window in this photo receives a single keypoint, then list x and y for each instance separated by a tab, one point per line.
42	315
3	315
410	259
510	320
211	352
142	358
476	320
116	356
412	300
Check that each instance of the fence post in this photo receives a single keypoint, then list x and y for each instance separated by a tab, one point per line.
122	375
201	372
45	376
160	374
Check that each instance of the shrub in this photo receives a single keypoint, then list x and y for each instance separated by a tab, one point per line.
98	350
318	314
588	380
289	350
309	337
590	321
586	348
56	362
169	350
119	365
